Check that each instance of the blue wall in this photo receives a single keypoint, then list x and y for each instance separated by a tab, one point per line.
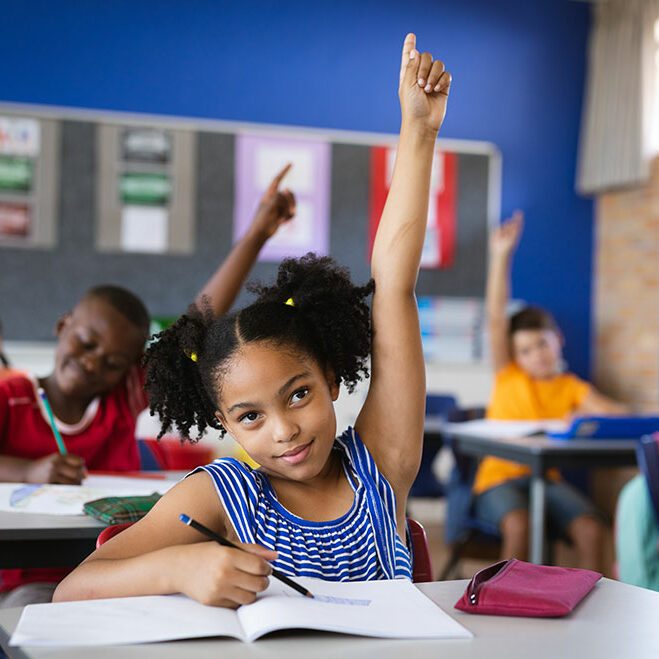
518	71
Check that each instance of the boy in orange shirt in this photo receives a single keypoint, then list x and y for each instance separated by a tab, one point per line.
529	385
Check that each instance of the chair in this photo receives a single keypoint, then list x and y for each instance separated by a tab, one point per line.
647	455
421	562
109	532
173	455
425	484
464	533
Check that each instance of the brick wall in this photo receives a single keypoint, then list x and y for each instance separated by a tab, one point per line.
626	295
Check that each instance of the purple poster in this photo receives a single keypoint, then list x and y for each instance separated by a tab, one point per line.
258	160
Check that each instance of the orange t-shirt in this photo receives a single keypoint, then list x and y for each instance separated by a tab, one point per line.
519	397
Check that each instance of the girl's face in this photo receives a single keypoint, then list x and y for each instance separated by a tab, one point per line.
277	404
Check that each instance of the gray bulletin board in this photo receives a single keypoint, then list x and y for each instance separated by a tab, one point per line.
38	284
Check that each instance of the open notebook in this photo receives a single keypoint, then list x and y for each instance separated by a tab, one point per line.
390	609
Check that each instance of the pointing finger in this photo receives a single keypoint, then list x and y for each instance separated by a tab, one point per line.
277	179
408	47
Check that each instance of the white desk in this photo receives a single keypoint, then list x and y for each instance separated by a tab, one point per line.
31	540
614	621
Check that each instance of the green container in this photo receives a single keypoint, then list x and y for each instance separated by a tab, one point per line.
145	188
16	173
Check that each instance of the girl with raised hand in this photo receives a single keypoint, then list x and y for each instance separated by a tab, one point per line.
318	505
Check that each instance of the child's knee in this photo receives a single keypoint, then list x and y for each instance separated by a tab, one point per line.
515	524
587	530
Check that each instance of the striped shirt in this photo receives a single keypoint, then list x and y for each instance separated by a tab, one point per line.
361	545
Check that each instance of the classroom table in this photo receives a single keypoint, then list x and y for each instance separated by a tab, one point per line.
614	621
33	540
540	453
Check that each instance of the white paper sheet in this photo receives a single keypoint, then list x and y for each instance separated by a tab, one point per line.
69	499
144	229
494	428
391	609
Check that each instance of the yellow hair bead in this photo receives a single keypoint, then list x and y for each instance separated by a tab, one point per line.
191	355
290	302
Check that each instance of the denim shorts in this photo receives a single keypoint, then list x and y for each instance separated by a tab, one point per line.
564	503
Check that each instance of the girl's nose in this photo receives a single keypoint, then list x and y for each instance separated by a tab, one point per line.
284	429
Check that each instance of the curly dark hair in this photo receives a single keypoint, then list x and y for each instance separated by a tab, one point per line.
329	321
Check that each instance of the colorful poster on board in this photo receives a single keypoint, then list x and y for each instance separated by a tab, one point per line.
14	220
439	245
258	160
19	136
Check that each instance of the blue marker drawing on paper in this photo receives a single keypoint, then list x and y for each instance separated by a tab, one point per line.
20	494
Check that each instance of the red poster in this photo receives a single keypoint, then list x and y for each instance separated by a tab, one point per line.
439	245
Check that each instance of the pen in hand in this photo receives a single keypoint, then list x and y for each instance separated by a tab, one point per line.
226	543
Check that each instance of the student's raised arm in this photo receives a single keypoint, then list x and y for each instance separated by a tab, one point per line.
503	240
276	207
391	421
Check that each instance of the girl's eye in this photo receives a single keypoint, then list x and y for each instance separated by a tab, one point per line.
299	395
248	418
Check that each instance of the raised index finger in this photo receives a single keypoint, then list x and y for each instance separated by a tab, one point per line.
274	185
408	47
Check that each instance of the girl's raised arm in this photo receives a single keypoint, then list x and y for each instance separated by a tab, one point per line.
391	421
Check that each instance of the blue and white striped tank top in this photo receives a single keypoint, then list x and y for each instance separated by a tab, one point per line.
360	545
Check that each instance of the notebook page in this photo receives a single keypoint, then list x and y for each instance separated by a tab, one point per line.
121	621
387	609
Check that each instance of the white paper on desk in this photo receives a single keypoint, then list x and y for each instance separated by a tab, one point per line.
49	499
388	609
496	428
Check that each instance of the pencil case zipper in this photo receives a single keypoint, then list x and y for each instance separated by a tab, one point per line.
484	576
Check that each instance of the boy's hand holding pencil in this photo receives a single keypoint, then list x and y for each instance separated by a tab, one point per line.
56	468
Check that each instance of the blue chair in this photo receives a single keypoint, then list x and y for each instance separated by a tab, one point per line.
465	534
647	456
426	484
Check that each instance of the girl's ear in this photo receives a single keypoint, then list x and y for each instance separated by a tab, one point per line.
220	417
334	387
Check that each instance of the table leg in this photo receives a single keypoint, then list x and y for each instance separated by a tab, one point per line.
537	522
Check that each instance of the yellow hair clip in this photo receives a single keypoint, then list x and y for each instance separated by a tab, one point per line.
290	302
191	355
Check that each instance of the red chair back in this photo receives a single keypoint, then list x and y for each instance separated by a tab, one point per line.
422	565
109	532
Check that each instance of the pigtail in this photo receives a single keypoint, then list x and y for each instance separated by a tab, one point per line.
332	311
173	364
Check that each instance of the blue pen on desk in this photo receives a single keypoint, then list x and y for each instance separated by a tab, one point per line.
227	543
58	438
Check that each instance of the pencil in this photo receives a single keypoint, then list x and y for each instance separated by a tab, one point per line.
223	541
58	437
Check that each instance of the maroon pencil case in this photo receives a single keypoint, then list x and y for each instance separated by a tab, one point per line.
517	588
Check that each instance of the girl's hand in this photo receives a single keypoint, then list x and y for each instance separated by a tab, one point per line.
56	468
423	87
276	207
222	576
504	238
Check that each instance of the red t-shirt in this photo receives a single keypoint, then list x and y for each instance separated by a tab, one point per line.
104	438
